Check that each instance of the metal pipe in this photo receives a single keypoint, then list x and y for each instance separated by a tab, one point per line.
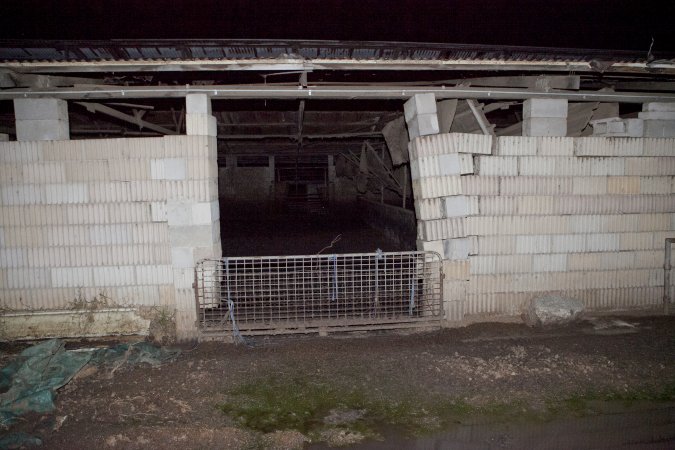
666	274
332	92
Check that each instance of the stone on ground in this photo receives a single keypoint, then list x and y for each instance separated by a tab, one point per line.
552	310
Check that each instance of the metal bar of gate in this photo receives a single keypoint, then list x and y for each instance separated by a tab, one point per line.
278	293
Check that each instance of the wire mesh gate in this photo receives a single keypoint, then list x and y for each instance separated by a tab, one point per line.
298	294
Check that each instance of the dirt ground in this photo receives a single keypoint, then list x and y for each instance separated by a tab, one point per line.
490	385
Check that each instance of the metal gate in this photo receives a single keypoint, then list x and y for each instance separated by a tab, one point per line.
319	293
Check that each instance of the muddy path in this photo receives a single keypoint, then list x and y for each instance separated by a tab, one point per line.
502	382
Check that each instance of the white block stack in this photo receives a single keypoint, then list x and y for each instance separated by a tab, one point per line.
544	117
580	217
41	119
438	165
421	115
115	220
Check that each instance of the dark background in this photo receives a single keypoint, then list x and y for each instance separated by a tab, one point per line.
609	24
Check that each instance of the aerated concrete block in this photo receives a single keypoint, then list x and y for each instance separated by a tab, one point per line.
458	206
430	246
4	137
419	104
659	106
40	109
423	125
659	128
544	107
455	249
545	126
201	125
197	104
42	130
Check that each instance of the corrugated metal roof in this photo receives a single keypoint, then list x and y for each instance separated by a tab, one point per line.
134	50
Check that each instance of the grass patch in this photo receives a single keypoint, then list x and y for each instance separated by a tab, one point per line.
302	404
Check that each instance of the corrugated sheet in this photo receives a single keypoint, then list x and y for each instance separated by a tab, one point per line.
37	50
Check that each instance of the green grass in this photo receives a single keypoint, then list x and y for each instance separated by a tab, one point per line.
301	403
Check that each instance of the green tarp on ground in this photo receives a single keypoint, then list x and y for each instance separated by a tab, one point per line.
29	382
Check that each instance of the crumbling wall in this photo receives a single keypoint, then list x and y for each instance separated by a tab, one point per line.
583	217
106	223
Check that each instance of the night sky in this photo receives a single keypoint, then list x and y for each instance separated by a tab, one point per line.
613	24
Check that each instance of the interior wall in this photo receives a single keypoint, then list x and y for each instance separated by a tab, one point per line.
115	221
581	217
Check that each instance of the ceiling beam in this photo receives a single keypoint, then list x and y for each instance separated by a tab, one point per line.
308	65
334	92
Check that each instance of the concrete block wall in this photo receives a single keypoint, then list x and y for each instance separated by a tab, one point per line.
118	219
584	217
442	166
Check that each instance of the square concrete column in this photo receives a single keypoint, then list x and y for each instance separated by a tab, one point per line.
198	118
659	119
41	119
545	117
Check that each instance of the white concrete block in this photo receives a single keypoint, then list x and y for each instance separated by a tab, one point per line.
158	212
114	276
617	127
22	194
516	146
429	208
423	125
496	245
182	257
602	242
419	104
430	246
544	107
459	206
59	194
589	185
533	244
197	104
202	213
480	185
456	248
555	146
549	263
154	274
76	277
118	234
201	125
657	115
40	109
544	126
659	128
432	230
537	166
42	130
659	147
168	169
195	235
179	213
434	187
44	172
4	137
497	165
659	106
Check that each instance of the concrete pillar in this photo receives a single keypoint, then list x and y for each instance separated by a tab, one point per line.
41	119
193	215
421	115
198	118
545	117
659	119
